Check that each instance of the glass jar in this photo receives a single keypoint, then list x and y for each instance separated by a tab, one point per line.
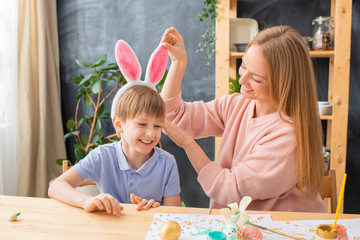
325	232
323	33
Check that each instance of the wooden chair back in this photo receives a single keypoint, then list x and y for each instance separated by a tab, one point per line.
328	191
65	167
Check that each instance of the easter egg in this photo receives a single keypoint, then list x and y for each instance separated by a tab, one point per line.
170	230
232	232
250	232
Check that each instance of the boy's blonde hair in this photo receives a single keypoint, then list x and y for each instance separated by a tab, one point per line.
140	99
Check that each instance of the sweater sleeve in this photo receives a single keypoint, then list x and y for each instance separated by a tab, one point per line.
199	119
267	172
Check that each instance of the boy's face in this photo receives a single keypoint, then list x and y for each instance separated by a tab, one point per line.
141	134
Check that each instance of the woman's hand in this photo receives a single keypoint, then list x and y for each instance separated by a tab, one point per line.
173	42
177	135
105	202
143	204
194	152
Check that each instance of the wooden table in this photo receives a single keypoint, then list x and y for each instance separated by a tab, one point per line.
43	218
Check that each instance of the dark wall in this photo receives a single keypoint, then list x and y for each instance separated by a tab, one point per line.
89	29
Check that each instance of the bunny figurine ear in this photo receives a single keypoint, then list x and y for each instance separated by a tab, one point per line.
157	65
127	61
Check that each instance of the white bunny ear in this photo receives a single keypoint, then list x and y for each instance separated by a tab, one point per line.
127	61
157	65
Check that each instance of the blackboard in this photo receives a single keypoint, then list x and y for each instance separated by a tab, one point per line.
89	29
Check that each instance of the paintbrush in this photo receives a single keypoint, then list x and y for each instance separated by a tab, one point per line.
275	231
339	202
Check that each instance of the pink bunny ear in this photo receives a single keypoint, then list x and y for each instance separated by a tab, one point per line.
127	61
157	64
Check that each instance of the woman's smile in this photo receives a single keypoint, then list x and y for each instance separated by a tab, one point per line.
247	89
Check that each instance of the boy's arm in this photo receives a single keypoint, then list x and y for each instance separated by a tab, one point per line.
63	189
173	42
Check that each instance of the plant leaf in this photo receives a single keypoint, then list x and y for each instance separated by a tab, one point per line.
100	61
98	125
67	135
76	145
112	66
96	86
84	139
81	121
59	161
86	79
79	154
77	79
101	109
96	139
70	124
83	63
87	100
164	78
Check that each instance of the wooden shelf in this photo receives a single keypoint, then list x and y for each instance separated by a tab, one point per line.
314	54
321	54
327	117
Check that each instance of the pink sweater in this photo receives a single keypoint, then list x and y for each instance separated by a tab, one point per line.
257	157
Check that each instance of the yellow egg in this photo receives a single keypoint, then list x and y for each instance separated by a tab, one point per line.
170	230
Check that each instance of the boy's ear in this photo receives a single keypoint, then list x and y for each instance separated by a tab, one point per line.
117	124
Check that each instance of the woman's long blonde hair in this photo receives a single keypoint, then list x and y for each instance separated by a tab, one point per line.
293	88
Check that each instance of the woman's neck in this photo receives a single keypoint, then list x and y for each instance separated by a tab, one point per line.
263	109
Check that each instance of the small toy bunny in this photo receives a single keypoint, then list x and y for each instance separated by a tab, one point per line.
130	67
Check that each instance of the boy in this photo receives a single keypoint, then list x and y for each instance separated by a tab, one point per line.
129	168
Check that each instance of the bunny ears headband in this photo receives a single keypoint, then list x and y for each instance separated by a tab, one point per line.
130	68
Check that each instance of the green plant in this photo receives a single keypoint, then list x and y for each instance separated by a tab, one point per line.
91	92
234	85
208	43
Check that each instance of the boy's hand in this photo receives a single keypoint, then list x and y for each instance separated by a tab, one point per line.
105	202
143	204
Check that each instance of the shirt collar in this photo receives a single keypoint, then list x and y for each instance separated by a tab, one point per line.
147	167
144	169
123	164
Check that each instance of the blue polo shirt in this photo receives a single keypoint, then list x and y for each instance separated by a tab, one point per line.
107	166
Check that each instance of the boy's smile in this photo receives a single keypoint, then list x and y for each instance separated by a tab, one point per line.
139	136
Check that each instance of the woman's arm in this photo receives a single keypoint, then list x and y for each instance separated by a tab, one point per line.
194	152
173	42
270	168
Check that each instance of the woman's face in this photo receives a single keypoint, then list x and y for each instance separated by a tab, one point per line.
254	80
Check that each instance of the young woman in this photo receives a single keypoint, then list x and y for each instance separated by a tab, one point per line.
271	147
